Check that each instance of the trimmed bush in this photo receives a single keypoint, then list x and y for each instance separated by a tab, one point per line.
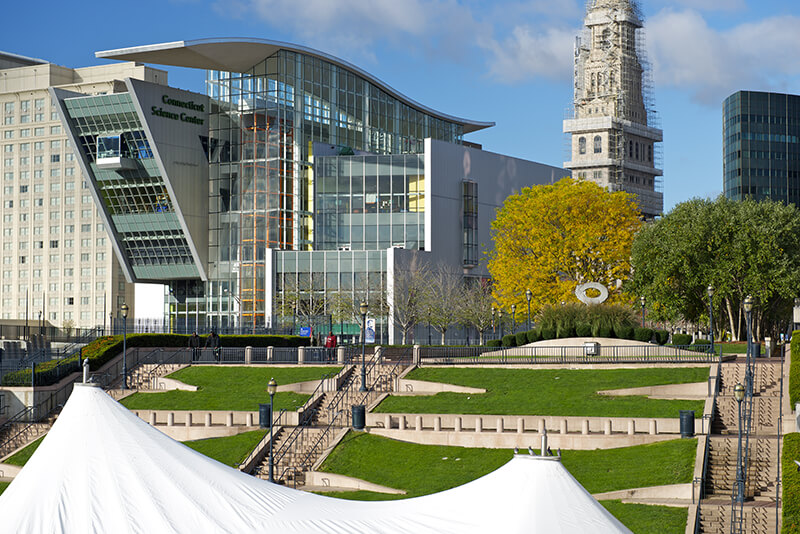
494	343
548	333
791	478
603	331
643	334
662	336
509	340
794	369
624	332
681	339
533	335
583	330
565	330
522	338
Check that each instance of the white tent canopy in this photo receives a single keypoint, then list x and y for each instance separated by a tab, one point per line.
102	469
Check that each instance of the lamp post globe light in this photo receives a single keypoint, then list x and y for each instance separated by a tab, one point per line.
738	394
710	291
748	308
528	297
500	320
272	387
124	310
494	332
643	301
363	308
513	318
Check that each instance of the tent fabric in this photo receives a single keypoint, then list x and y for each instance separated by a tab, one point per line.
102	469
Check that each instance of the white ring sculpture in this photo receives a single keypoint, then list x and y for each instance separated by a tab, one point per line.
581	290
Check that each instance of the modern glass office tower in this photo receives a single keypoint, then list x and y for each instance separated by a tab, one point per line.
761	146
297	174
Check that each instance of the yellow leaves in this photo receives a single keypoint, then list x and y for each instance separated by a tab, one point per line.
550	238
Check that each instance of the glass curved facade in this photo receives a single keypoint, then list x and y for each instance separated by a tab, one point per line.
263	126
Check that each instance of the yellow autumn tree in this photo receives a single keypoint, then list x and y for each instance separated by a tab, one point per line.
551	238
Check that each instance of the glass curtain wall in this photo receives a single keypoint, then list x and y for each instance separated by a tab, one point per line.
263	124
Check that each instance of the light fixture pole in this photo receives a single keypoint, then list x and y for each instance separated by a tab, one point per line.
124	310
500	320
748	308
364	307
643	301
272	387
711	316
738	394
529	296
513	318
494	330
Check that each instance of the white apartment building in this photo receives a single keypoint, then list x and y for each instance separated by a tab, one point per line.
57	261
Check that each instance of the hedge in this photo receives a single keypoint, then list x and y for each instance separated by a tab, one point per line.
548	333
583	330
624	331
534	335
509	340
791	479
494	343
522	338
643	334
681	339
662	336
103	349
794	369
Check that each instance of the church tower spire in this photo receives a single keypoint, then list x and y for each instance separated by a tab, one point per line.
613	127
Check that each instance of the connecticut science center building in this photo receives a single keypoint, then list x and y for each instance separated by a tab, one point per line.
297	171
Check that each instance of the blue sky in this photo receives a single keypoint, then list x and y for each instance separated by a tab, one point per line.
504	61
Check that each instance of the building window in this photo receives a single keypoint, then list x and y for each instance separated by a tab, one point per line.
598	144
581	145
470	223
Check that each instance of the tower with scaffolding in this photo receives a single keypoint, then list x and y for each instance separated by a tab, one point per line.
614	131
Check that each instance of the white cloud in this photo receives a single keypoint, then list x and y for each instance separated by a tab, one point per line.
354	27
530	52
711	64
708	5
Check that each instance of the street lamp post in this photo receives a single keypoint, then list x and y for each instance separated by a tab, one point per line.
272	387
738	394
494	331
364	307
529	296
40	323
711	316
748	308
500	320
642	300
513	318
124	310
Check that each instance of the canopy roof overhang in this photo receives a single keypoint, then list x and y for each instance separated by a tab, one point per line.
242	54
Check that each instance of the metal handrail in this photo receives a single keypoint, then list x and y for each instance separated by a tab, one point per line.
307	457
262	443
706	453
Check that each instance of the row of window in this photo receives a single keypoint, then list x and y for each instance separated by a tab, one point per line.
24	105
25	118
54	230
55	273
54	201
55	187
39	131
55	258
68	243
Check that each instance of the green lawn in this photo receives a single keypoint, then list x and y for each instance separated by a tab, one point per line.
646	519
791	484
424	469
3	486
229	388
230	450
21	457
549	392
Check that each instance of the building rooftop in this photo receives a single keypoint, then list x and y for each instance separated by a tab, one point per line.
241	54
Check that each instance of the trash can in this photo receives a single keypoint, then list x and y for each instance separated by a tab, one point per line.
359	417
687	423
264	415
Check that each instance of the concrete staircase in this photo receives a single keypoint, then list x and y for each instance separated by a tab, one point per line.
145	376
762	467
16	435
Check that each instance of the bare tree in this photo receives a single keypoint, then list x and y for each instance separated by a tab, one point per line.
475	305
442	298
299	298
409	300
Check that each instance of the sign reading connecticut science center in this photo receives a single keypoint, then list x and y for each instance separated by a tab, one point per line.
183	116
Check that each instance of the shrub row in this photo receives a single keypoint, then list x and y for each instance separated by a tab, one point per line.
794	369
103	349
582	330
791	479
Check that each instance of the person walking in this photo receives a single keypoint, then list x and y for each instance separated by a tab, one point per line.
213	342
330	346
194	344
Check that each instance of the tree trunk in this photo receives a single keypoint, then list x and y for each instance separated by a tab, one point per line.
734	329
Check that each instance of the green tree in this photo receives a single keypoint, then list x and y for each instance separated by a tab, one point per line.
741	248
551	238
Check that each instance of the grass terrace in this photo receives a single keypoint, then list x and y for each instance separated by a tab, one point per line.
646	519
566	392
229	388
3	486
425	469
22	456
231	450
